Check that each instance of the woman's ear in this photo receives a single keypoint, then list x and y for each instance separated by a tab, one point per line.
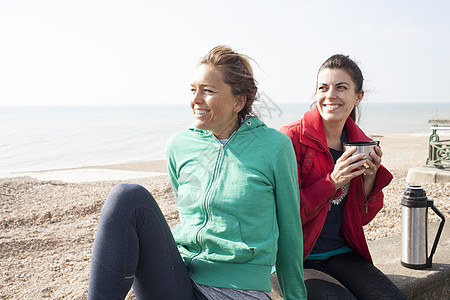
239	103
359	97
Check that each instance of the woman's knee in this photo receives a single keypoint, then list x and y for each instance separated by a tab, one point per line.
125	197
321	285
129	192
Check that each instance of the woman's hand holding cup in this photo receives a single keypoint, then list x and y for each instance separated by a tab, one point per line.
347	167
373	164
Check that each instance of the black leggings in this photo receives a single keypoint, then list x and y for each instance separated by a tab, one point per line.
134	246
347	276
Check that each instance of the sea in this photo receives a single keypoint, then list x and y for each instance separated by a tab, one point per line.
36	138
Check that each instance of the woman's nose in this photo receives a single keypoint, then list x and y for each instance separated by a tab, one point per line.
197	98
331	93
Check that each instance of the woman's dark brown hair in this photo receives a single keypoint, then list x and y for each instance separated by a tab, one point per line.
343	62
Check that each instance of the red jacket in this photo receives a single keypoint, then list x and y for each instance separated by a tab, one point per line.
315	164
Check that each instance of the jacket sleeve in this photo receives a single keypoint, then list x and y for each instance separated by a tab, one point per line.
289	261
171	167
371	205
316	195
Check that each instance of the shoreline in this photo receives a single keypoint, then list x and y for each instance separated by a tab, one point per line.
393	145
111	172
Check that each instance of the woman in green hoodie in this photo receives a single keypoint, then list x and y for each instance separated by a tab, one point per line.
235	183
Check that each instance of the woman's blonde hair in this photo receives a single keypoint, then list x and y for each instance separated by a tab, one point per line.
237	73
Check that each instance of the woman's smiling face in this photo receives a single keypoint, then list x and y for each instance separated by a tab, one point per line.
336	95
214	106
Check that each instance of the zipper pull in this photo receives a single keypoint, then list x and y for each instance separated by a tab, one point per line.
367	206
329	205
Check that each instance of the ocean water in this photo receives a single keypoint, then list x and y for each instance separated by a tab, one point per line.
36	138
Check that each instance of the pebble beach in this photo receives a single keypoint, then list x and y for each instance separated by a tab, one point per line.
48	220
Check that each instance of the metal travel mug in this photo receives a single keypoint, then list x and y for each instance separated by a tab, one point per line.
415	228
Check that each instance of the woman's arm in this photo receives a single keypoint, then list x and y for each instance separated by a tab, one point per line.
289	261
371	204
171	167
370	172
317	194
374	179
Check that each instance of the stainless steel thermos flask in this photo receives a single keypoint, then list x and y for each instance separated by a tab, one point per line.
415	227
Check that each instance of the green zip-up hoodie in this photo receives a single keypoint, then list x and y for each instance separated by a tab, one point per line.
239	208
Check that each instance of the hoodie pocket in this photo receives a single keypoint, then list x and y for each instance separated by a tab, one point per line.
223	241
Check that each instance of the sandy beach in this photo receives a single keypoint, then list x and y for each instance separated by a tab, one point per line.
48	219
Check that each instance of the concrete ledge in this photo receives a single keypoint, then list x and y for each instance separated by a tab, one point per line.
432	283
428	175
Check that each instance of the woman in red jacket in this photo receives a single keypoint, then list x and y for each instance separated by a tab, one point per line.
339	193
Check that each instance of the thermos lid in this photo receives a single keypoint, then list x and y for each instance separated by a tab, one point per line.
414	196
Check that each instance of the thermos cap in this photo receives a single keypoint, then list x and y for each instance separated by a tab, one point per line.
414	196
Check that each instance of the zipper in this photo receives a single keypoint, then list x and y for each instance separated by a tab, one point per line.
208	197
366	200
327	151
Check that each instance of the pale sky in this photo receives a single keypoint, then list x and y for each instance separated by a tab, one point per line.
144	52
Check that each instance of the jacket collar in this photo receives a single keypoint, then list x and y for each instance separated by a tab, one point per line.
247	125
313	130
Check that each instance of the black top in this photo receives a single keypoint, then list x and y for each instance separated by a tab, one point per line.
330	238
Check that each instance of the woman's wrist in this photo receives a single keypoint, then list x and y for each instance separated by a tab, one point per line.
369	184
334	181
